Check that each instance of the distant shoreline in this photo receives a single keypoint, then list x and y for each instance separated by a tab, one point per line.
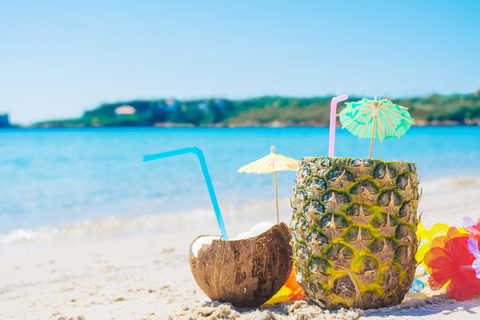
272	124
266	111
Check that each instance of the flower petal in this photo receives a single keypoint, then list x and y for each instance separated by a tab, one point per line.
421	251
434	285
476	266
467	222
473	228
454	233
438	229
442	270
473	247
457	250
460	288
417	285
478	286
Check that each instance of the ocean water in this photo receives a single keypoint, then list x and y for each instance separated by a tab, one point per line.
52	178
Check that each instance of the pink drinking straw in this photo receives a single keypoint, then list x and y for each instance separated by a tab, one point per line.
333	121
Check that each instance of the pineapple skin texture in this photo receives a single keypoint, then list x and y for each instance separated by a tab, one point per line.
354	230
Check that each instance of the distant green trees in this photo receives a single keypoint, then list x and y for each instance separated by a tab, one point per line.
258	111
459	115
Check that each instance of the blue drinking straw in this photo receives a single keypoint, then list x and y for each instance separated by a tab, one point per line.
208	181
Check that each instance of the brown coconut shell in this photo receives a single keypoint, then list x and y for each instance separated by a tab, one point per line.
246	273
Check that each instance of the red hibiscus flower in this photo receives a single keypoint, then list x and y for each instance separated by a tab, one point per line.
453	263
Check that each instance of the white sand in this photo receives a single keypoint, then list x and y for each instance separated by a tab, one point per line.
148	277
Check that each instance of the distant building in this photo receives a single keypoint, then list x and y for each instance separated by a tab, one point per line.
171	103
125	110
203	105
4	121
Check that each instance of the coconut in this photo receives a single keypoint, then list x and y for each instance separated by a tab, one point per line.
244	272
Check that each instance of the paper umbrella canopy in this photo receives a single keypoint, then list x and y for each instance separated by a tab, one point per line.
271	163
375	119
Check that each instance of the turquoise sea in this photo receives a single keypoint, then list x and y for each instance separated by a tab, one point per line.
65	177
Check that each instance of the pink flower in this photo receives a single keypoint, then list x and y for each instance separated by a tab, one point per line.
473	248
472	227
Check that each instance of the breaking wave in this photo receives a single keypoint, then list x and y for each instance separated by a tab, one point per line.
254	208
118	224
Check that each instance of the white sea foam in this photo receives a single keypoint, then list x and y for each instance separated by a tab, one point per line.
115	224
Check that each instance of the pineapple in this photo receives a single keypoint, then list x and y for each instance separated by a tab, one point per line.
354	223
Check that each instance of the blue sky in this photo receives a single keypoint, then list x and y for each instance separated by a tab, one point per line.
59	58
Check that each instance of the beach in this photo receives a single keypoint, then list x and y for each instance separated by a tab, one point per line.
148	276
149	150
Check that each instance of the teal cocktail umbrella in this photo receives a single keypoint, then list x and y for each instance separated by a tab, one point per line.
375	119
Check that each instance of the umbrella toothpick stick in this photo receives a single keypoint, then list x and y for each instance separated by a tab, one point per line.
271	163
374	115
272	150
276	195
